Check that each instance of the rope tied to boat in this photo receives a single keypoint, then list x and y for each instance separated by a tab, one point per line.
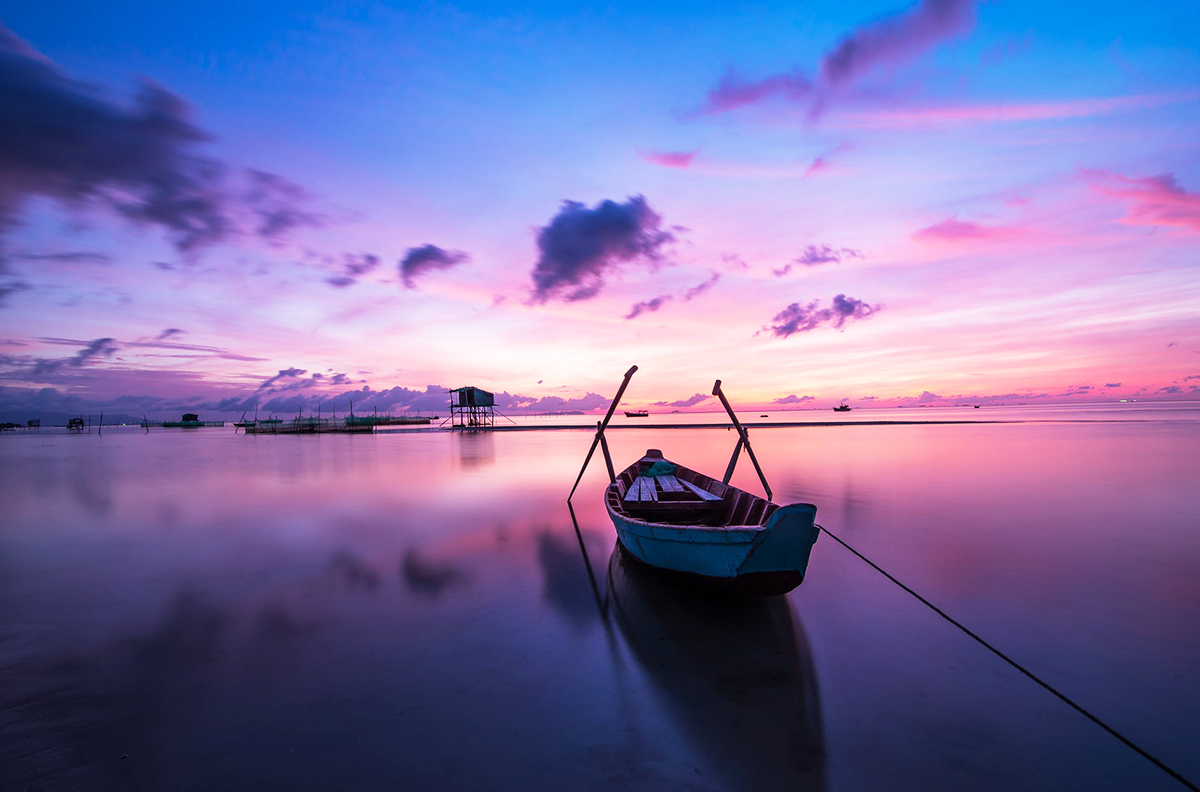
1057	693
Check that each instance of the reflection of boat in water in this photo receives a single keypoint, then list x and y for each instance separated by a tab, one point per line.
735	673
637	413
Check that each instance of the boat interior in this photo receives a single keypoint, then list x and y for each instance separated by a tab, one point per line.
656	490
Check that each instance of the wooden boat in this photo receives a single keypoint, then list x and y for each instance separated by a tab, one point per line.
637	413
677	519
674	518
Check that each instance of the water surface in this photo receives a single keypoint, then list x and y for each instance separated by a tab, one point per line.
199	609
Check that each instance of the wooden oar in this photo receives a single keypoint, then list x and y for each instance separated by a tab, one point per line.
600	434
743	440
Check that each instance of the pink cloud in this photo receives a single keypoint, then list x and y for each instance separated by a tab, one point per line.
1152	200
668	159
1000	112
821	164
962	231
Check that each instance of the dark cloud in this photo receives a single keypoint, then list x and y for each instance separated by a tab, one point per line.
100	347
170	331
688	402
284	374
733	92
580	245
814	256
1185	379
798	318
647	306
890	41
794	399
65	140
1170	389
427	258
74	257
354	266
700	288
278	204
1112	384
10	288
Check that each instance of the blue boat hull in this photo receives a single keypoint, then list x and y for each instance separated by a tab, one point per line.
769	558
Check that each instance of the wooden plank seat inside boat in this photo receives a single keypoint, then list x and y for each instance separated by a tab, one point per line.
667	497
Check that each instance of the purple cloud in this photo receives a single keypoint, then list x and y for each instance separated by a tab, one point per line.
581	244
1112	384
62	139
284	374
10	288
74	257
688	402
794	399
165	334
798	318
700	288
355	266
732	92
890	41
100	347
278	203
427	258
647	306
814	256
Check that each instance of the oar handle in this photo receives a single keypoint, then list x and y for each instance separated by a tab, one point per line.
600	431
744	438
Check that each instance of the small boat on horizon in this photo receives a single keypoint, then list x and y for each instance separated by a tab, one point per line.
637	413
843	407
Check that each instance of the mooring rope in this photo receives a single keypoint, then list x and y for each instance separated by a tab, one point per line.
1128	742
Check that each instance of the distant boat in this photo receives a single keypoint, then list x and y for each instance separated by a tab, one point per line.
636	413
75	425
681	521
843	407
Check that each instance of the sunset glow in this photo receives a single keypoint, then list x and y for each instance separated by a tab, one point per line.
891	203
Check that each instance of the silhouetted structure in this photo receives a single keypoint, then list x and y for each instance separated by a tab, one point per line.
472	408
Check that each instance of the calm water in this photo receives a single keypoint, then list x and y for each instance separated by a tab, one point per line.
202	610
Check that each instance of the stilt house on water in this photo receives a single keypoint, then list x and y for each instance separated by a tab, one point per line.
472	408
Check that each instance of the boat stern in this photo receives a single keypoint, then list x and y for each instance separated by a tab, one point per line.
785	542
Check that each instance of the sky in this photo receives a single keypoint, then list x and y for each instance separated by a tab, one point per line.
234	205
